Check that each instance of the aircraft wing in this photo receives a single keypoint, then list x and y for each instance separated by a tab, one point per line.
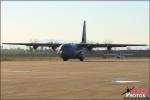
114	45
109	46
36	45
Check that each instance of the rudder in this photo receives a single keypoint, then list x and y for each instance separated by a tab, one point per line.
84	33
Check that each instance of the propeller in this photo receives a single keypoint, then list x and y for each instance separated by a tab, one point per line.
34	47
108	42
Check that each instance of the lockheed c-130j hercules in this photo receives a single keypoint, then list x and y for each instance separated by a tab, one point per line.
75	50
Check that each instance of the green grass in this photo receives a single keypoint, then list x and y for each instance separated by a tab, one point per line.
27	53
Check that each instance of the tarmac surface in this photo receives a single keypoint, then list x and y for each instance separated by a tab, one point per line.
92	79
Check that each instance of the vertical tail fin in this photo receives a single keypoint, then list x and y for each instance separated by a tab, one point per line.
84	33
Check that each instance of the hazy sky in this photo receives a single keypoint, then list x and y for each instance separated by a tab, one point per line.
119	21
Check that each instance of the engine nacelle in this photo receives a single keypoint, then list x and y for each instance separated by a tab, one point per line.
35	47
109	48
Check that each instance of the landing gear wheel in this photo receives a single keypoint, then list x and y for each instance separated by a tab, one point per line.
65	59
81	59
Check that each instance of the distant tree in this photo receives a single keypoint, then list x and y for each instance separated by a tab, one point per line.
31	48
1	47
107	41
18	48
33	41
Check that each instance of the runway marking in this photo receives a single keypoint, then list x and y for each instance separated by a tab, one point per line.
123	82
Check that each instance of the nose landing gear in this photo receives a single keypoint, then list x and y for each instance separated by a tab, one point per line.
65	59
81	58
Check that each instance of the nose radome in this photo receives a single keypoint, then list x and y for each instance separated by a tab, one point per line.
67	53
64	53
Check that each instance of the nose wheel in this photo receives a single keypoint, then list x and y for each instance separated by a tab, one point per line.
65	59
81	58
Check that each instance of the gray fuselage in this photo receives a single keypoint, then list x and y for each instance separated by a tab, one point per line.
72	51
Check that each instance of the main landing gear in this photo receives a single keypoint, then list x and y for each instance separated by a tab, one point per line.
65	59
81	59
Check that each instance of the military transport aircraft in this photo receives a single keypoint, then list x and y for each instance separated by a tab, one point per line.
75	50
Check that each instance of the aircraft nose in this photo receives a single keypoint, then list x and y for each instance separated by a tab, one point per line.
63	53
66	53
